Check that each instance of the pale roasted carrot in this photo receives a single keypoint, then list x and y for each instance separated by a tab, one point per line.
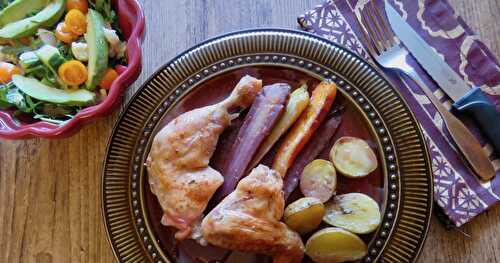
299	99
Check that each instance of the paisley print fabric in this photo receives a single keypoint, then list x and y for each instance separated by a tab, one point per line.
457	190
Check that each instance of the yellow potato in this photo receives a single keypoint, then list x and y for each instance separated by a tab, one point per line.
355	212
304	215
319	180
334	244
353	157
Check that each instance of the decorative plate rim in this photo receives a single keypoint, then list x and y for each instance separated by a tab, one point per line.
142	240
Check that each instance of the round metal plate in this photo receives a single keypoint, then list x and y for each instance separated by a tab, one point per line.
405	163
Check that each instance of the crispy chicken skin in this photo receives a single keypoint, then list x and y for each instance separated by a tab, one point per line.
177	164
248	219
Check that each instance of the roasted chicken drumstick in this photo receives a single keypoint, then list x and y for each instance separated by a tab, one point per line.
177	164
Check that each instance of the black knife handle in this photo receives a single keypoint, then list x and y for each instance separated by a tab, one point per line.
484	112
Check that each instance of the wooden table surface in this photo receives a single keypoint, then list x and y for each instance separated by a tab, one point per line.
50	207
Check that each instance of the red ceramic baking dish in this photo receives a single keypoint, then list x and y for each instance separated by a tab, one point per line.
131	19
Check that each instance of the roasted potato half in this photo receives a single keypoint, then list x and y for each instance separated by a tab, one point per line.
318	180
353	157
355	212
304	215
333	244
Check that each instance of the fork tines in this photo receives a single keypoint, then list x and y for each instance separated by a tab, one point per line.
379	37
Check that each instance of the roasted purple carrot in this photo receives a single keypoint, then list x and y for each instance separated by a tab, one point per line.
226	141
312	149
299	99
263	115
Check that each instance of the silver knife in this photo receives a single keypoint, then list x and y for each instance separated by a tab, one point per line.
466	99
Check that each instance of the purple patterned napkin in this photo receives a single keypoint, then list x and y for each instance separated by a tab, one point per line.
457	190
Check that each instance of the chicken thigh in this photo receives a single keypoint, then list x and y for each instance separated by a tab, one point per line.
248	219
177	164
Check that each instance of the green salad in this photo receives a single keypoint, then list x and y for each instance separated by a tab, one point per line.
57	56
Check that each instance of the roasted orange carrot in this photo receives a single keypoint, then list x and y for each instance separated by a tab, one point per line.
321	101
313	148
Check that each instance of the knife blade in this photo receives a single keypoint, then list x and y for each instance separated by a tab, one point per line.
435	66
467	100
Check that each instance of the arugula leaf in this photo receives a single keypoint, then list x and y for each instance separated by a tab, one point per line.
4	102
23	102
104	7
31	106
99	4
38	72
11	96
65	51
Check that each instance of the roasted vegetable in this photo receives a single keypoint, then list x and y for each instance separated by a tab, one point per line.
333	244
81	5
318	180
47	37
353	157
98	49
296	105
64	34
7	70
116	47
321	101
104	7
76	21
28	26
108	79
80	51
313	148
73	72
355	212
304	215
220	158
264	113
36	89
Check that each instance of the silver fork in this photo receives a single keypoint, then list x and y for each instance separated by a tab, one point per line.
382	46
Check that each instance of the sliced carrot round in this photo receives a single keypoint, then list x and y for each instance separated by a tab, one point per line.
108	79
73	72
7	70
76	22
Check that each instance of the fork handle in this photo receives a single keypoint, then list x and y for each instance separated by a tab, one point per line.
466	142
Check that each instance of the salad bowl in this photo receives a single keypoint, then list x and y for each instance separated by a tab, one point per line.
131	22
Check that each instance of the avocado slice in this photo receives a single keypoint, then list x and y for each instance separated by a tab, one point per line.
98	49
34	88
28	26
20	9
